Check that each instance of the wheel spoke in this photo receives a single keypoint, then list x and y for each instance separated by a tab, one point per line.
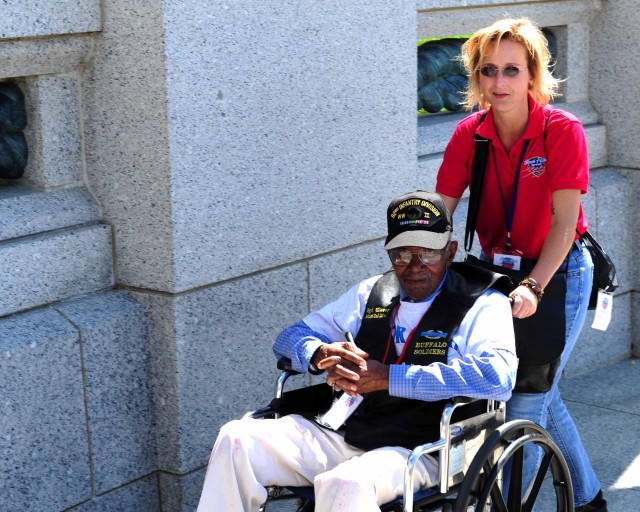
536	485
515	482
497	500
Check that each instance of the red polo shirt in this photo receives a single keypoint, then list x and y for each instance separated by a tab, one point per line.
563	164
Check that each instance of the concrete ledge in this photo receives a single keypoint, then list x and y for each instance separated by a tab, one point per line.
435	131
43	56
26	211
55	266
44	446
30	18
434	21
117	370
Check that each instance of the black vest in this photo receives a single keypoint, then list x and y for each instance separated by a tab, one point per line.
385	420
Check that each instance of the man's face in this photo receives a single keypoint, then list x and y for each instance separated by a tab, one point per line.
420	280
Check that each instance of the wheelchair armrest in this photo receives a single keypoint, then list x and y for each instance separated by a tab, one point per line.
284	364
461	400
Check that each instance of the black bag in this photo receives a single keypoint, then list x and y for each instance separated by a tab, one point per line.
604	271
540	338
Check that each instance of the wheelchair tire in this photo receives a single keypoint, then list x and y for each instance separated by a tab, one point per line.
481	487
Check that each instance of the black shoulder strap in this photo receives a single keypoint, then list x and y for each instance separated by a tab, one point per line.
475	188
544	136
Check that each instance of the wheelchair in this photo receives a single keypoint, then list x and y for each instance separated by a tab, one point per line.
475	449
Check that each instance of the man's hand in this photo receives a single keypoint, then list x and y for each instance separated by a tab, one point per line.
374	378
347	368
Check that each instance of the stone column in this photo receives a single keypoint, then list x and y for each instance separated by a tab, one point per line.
232	146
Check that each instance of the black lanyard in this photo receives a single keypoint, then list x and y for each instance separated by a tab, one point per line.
509	215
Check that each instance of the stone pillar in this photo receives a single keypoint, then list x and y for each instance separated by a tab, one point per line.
229	144
614	76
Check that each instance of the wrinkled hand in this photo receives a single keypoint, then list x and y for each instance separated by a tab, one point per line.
348	369
525	303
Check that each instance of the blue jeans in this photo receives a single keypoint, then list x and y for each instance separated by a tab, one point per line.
548	409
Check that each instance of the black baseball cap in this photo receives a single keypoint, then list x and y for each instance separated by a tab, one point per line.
418	219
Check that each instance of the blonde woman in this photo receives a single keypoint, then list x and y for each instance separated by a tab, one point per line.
530	209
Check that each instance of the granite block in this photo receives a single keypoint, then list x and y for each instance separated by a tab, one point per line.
583	110
328	148
55	266
53	132
597	348
181	493
39	56
612	48
27	211
428	167
632	218
212	358
125	140
576	58
139	496
434	132
332	275
589	207
609	199
118	384
596	136
44	445
635	324
434	21
448	4
32	18
614	200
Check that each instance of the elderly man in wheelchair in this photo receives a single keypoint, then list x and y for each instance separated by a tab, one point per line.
426	332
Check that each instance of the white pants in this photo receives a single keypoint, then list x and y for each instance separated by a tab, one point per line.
292	451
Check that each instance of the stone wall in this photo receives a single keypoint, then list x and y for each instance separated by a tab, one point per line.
201	175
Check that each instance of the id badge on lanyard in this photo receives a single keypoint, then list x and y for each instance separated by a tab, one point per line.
508	256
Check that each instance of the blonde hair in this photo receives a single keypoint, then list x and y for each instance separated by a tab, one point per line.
523	31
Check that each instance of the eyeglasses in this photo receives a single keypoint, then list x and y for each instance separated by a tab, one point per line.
509	71
402	256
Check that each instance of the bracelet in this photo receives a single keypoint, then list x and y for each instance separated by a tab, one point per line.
534	286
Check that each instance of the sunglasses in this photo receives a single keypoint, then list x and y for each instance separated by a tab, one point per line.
402	256
509	71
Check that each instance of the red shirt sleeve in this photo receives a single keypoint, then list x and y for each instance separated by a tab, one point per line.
567	153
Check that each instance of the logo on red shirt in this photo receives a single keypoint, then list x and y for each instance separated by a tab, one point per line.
535	166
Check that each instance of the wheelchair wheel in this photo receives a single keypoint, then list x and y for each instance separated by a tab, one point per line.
482	485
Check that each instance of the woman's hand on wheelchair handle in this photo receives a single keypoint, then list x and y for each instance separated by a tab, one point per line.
524	302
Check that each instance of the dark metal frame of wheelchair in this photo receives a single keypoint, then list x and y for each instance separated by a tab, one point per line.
473	453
